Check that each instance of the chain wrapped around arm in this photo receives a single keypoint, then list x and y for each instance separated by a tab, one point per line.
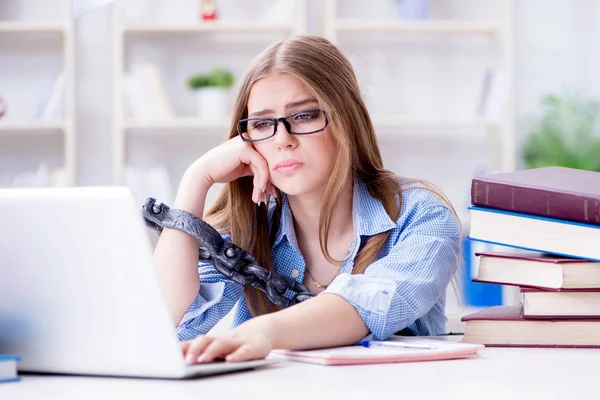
227	258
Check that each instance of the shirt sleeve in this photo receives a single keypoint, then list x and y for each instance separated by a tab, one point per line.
216	297
409	280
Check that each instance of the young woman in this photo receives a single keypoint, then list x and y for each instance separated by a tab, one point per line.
307	194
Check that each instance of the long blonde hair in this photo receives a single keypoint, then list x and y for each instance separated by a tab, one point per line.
329	76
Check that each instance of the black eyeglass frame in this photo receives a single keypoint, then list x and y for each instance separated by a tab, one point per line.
276	121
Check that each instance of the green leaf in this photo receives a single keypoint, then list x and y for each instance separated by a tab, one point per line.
218	77
568	134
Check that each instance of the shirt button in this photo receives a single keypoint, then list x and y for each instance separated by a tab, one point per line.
295	273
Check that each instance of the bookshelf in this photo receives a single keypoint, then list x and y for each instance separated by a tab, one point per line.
172	44
30	27
8	128
428	27
212	27
36	45
165	39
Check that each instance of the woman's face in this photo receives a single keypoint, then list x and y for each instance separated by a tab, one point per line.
298	164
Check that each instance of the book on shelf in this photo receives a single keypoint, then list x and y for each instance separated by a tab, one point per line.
146	98
505	326
530	232
150	182
525	268
494	93
395	350
562	303
8	368
40	177
50	105
45	92
555	192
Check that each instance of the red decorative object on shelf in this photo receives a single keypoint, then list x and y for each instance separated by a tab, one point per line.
209	10
2	107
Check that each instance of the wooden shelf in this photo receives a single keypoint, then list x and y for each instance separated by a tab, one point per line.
32	27
9	128
430	27
216	27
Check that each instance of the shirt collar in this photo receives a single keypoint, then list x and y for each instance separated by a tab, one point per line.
368	212
368	215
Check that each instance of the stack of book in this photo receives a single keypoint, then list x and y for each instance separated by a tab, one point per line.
548	221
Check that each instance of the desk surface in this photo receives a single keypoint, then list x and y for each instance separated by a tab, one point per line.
497	373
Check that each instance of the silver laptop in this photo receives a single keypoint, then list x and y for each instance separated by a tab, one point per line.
78	289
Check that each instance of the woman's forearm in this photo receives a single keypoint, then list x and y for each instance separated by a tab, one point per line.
324	321
176	253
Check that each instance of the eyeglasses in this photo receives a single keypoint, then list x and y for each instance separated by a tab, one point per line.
298	123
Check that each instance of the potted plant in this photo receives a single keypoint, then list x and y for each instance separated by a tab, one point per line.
568	135
213	92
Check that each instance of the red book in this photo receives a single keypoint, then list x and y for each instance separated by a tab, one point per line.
555	192
505	326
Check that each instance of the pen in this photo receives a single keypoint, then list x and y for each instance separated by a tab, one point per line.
371	343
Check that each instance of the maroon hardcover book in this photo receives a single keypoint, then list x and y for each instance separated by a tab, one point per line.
555	192
526	332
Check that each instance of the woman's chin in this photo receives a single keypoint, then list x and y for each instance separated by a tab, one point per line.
292	187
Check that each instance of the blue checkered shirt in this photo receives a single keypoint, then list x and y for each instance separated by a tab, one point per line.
404	288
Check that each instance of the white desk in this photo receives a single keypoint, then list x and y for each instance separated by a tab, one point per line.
497	373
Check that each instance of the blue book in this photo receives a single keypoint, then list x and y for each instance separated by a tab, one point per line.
8	368
478	294
530	232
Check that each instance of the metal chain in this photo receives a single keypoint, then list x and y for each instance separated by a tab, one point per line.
227	258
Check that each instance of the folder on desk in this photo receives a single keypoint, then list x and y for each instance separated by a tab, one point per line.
417	349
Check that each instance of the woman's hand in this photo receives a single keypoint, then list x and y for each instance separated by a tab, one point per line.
254	339
230	161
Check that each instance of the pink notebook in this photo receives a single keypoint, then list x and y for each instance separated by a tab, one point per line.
423	350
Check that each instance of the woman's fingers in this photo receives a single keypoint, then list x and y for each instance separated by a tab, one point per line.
256	183
185	346
271	189
218	348
260	169
243	353
206	349
197	347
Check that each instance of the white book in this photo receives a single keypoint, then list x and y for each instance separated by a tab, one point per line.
45	93
150	182
494	94
54	109
153	89
136	100
38	178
